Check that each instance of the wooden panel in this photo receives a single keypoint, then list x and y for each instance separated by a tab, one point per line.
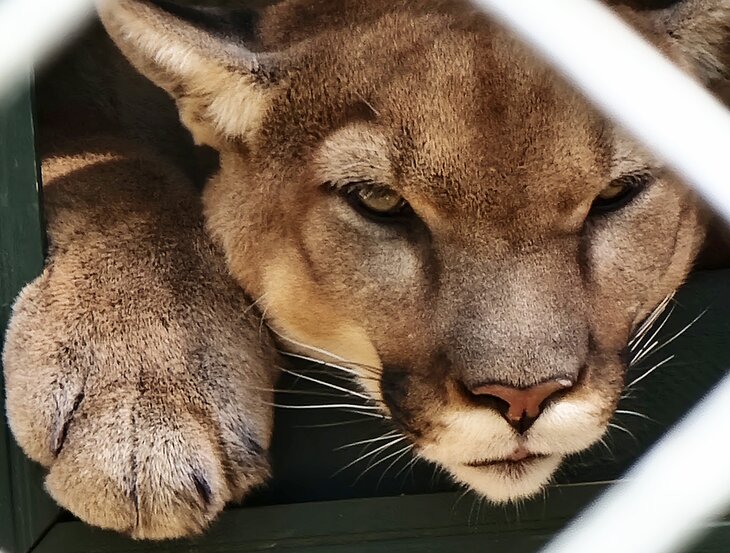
431	523
25	510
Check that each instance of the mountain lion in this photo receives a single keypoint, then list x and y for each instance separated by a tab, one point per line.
405	192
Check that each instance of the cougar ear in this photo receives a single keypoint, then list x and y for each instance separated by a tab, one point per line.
201	58
700	30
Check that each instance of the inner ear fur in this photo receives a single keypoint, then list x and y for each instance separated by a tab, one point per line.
700	31
200	57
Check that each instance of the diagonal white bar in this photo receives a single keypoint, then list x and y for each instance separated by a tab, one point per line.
32	29
632	83
685	479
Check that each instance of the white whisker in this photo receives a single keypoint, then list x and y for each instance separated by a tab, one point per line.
325	406
254	303
306	346
595	482
603	442
647	373
327	384
647	324
339	423
381	416
644	351
391	465
462	495
622	429
371	440
339	375
262	321
661	325
375	451
634	414
667	342
296	392
319	362
389	456
471	510
410	464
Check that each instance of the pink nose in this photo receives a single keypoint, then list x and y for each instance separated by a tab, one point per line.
522	406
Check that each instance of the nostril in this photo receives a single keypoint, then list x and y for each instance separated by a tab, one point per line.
521	406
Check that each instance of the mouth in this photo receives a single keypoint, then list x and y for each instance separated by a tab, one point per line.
520	459
503	480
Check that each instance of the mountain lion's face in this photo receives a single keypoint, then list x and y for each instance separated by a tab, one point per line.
410	195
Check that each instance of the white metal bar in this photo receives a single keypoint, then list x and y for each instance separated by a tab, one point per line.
632	83
685	479
30	30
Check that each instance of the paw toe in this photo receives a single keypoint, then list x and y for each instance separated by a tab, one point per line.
150	477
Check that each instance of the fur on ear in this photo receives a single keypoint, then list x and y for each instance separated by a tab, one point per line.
200	58
700	30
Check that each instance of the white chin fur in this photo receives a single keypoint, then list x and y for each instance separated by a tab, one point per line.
468	435
501	485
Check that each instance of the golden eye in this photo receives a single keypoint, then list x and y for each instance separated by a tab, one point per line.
613	191
376	202
620	192
380	200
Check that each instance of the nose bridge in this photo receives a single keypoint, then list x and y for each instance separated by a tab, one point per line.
523	320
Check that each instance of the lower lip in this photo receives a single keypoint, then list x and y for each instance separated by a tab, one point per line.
507	464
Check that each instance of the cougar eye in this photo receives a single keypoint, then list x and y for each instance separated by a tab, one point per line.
620	192
376	201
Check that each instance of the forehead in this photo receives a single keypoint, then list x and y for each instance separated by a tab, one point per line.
469	118
475	120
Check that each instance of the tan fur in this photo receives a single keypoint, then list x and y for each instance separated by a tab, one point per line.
503	278
134	368
183	59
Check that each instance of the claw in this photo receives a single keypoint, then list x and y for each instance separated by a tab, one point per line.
203	487
58	438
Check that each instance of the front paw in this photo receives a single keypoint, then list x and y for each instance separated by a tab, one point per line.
151	466
148	429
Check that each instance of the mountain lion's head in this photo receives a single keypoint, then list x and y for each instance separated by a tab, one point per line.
410	194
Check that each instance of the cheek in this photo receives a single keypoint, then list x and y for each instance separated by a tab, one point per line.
305	320
337	287
344	245
371	274
638	257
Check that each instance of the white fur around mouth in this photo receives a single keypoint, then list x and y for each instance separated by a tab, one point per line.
503	481
481	451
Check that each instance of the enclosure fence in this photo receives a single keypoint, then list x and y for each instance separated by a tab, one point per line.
660	505
30	30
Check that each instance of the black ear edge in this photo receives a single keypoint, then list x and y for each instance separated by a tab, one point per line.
231	24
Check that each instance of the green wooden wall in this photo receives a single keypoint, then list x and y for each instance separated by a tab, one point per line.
25	510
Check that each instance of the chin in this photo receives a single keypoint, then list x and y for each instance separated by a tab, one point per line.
504	482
